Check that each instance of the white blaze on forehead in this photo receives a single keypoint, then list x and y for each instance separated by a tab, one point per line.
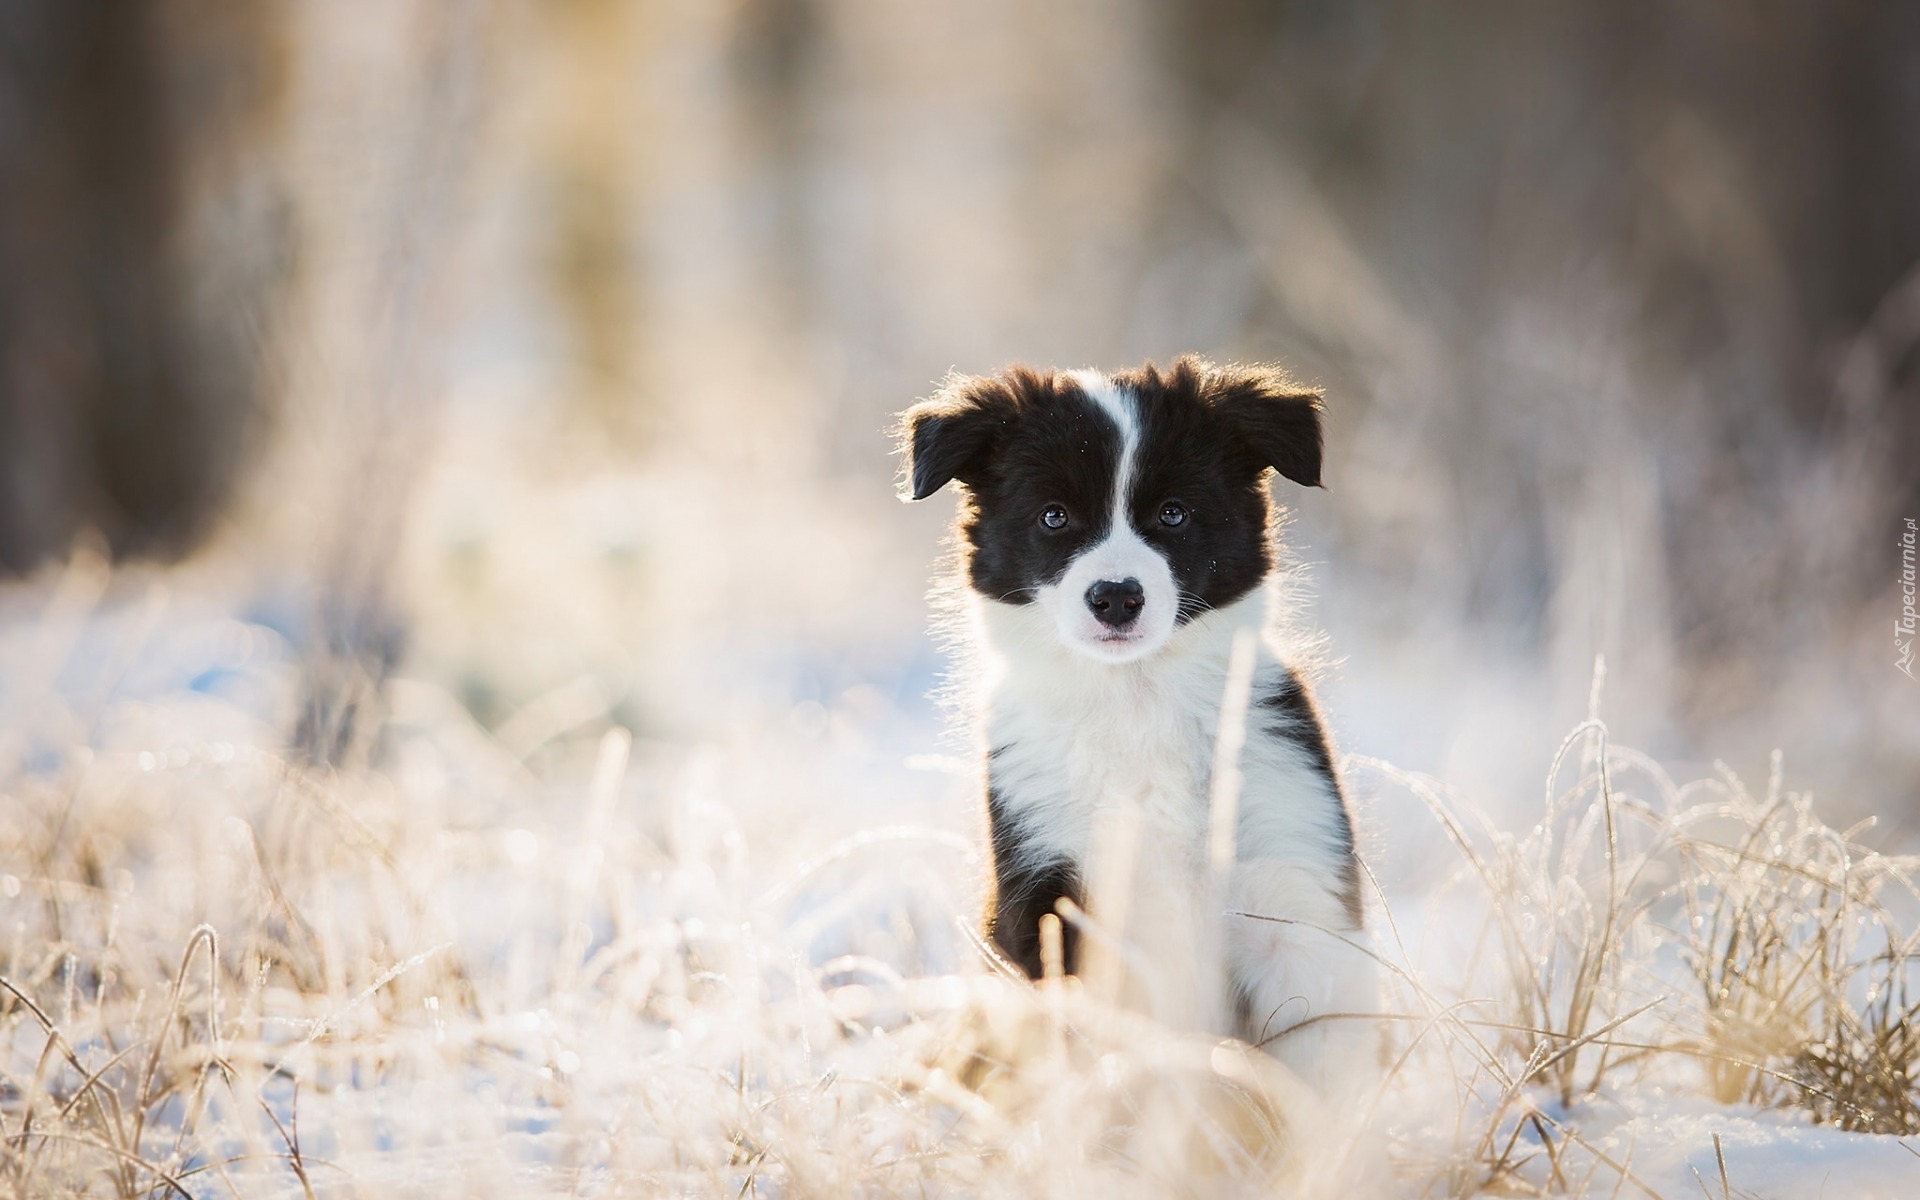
1122	554
1118	405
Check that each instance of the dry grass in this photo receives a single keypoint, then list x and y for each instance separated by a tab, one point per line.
1693	937
228	973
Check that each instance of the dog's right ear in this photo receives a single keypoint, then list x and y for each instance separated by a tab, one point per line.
946	437
1278	419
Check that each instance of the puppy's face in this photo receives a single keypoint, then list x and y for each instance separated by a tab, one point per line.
1124	505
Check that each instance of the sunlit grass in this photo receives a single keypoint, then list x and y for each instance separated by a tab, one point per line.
473	969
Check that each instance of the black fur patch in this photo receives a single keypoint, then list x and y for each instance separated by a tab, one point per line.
1024	893
1296	718
1190	454
1275	418
1020	442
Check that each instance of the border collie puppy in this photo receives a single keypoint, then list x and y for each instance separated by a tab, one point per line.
1116	541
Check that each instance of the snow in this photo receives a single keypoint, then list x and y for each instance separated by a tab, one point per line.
741	965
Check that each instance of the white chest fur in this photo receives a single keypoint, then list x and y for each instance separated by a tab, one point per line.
1106	767
1074	741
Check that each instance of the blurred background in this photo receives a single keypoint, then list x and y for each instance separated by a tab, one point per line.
542	355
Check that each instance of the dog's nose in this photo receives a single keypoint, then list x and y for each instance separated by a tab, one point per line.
1116	602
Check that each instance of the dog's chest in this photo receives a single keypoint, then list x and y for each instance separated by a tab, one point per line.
1068	754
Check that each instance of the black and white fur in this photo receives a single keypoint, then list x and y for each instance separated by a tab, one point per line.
1116	536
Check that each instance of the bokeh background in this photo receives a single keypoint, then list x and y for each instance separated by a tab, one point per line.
542	354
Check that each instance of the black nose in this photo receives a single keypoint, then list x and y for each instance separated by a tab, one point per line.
1116	602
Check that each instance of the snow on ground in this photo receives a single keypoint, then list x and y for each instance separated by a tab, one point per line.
737	965
1669	1142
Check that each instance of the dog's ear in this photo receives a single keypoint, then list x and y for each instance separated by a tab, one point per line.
946	437
1278	419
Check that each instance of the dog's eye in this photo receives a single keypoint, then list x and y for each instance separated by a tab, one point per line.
1054	517
1173	513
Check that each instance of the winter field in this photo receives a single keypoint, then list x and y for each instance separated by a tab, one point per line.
530	777
549	959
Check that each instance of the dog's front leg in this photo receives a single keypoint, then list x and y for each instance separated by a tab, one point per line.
1027	884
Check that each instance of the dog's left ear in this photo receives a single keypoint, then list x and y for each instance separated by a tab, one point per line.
946	437
1279	419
